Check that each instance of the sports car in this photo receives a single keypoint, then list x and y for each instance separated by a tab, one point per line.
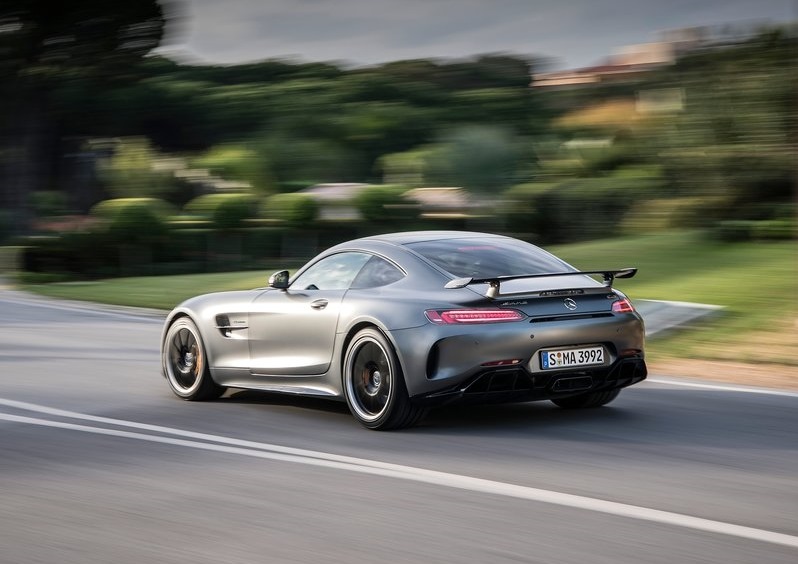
397	324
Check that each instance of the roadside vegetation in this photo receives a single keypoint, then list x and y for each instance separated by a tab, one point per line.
756	283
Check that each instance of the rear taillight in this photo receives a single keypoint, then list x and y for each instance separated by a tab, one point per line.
472	316
622	306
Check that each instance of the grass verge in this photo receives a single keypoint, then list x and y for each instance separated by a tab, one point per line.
159	292
755	281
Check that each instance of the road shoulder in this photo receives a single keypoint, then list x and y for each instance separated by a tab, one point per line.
777	376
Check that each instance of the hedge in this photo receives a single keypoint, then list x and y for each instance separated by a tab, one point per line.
133	221
294	209
576	209
224	211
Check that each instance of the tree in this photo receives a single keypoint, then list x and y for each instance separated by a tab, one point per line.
130	173
45	46
479	158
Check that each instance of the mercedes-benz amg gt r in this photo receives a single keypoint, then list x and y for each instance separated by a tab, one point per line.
395	324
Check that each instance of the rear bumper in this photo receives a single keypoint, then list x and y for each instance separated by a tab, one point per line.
518	385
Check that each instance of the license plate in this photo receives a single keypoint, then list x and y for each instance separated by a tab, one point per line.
571	357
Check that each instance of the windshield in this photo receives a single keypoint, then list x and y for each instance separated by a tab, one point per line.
488	257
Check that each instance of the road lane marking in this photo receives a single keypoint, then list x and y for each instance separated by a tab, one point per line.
268	451
723	387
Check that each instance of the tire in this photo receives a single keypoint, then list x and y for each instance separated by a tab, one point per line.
374	386
185	363
585	401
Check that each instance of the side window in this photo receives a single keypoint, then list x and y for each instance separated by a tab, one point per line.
377	272
334	272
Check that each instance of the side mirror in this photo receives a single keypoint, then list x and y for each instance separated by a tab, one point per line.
279	280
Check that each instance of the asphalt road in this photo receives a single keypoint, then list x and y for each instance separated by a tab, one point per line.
99	462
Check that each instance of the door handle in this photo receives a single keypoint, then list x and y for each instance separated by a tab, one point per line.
319	304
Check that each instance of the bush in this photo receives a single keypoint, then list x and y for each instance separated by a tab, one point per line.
70	255
733	230
41	254
141	221
385	203
131	171
294	185
224	211
48	203
665	213
576	209
748	175
748	229
775	229
520	207
294	209
238	162
262	243
131	234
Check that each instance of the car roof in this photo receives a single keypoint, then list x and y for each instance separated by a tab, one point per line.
408	237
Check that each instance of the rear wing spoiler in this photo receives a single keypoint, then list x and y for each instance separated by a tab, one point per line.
494	283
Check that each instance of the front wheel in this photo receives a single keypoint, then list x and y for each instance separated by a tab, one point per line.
185	364
374	386
584	401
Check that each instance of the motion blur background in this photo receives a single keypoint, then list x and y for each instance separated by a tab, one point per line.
152	138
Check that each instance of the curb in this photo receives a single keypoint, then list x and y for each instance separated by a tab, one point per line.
663	316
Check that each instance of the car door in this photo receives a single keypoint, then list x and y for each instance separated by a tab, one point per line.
292	331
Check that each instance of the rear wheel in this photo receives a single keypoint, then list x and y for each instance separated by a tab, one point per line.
185	364
374	386
583	401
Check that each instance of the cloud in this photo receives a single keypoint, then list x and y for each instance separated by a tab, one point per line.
579	32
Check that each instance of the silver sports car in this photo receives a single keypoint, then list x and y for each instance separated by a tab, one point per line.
394	324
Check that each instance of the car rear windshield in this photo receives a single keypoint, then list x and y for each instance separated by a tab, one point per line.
488	257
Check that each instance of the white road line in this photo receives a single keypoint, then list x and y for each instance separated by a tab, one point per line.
723	387
326	460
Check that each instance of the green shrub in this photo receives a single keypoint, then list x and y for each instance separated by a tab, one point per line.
520	207
48	203
76	254
385	203
666	213
733	230
748	229
294	185
294	209
577	209
41	254
759	176
131	171
748	174
775	229
238	162
133	220
262	243
224	211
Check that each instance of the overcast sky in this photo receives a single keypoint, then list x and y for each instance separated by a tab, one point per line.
572	33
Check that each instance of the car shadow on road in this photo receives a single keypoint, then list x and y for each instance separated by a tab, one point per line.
522	416
471	418
270	398
692	418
